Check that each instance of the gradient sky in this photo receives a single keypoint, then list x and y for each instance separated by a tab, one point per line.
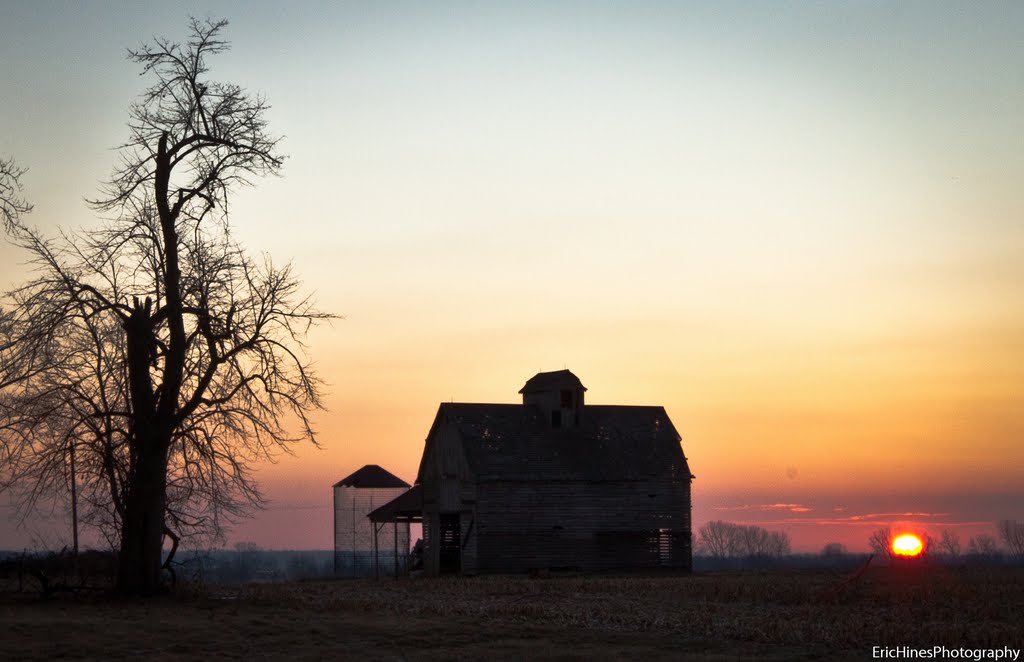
797	226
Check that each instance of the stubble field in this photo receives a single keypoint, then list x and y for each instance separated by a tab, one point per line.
774	615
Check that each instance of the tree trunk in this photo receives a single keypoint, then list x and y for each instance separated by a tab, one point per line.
142	525
142	529
154	410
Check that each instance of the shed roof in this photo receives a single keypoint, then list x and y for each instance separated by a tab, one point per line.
406	507
613	442
545	381
372	475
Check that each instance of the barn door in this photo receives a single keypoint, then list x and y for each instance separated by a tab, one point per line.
451	545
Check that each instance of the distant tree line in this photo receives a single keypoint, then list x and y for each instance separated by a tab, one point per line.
982	546
248	562
725	540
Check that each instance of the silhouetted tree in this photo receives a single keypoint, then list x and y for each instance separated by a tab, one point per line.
928	545
983	546
881	542
725	540
778	543
718	539
154	345
1012	534
949	544
751	540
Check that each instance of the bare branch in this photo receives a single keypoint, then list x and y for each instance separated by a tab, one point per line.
12	205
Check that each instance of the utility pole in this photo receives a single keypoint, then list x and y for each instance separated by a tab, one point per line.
74	505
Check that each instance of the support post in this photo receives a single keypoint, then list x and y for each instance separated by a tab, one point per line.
334	519
376	552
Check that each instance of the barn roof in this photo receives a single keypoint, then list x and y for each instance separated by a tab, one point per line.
371	475
545	381
613	442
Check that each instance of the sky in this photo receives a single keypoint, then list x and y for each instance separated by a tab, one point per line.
797	226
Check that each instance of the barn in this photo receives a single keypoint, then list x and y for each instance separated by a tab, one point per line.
550	484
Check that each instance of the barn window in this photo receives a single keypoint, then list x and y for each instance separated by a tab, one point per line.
566	399
663	542
556	419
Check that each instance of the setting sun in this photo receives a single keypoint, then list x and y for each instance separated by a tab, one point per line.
907	544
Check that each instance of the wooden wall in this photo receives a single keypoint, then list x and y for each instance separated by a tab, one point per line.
521	526
516	526
448	487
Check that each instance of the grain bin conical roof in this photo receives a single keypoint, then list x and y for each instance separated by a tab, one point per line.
370	476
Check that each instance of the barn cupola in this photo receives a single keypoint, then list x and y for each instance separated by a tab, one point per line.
559	395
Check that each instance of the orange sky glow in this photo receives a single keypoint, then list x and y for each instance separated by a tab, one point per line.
802	236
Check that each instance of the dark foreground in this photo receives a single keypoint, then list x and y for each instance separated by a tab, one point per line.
783	615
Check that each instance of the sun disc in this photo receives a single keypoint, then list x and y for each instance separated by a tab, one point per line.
907	544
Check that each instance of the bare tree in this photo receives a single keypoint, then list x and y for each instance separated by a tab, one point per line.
881	542
1012	534
718	539
154	345
751	540
983	546
778	543
755	541
928	544
726	540
949	544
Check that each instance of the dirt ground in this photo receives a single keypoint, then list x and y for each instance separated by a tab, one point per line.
721	616
167	631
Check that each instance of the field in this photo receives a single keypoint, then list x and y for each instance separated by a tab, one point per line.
780	615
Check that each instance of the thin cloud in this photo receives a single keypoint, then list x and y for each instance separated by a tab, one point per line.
860	519
878	516
766	507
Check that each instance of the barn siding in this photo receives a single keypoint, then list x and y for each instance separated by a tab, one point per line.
431	552
449	488
585	525
624	505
